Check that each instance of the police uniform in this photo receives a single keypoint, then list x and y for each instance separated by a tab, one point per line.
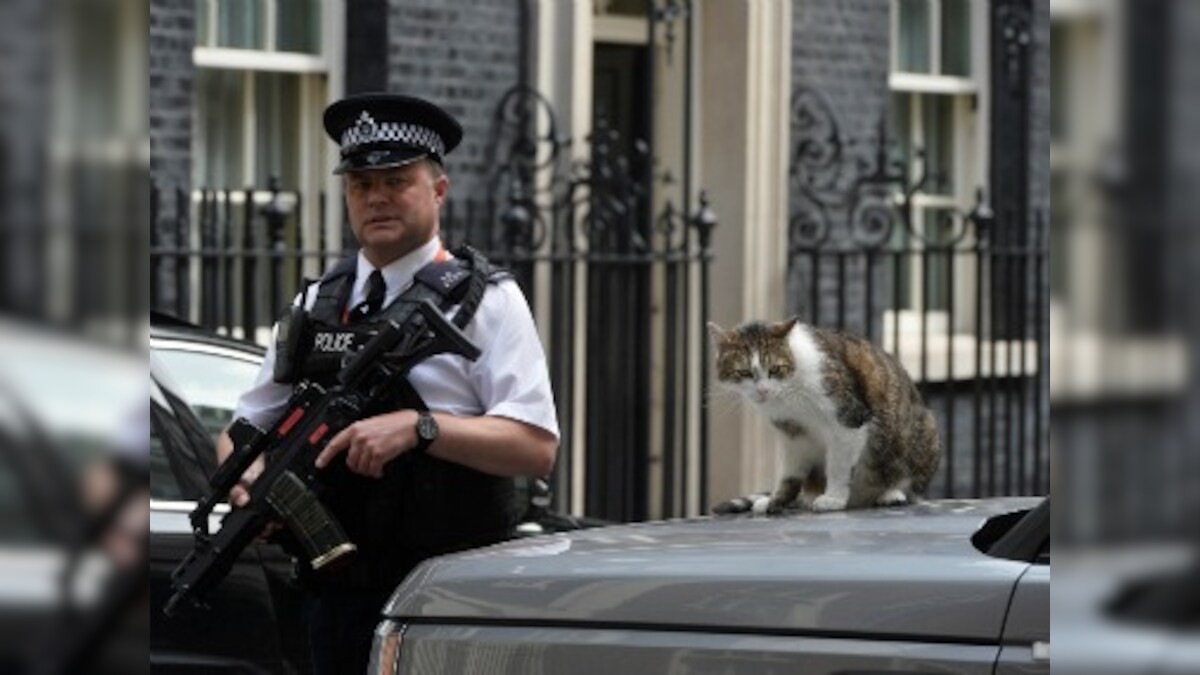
423	506
509	379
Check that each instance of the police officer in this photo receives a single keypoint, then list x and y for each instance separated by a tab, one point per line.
430	473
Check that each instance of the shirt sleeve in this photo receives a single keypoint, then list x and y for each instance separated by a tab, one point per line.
511	376
265	400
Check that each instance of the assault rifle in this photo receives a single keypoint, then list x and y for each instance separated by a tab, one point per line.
314	415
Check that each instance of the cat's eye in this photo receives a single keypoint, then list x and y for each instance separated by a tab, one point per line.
743	374
778	371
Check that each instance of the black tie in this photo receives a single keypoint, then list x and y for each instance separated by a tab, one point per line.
376	290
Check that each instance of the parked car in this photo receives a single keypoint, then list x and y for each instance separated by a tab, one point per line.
945	586
64	406
254	620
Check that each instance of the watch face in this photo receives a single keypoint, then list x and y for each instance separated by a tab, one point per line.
427	427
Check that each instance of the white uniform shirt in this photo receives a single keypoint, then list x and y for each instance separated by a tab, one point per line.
509	379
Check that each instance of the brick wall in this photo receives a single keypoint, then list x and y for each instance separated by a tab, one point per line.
172	36
462	54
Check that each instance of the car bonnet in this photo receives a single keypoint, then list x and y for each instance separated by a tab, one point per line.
897	573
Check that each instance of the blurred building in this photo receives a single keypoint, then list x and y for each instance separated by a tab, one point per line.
645	166
1122	244
73	159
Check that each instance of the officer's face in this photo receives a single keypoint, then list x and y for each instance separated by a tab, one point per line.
394	211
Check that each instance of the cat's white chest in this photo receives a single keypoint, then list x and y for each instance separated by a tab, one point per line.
805	399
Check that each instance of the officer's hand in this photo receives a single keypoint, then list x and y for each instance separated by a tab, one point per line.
240	494
371	443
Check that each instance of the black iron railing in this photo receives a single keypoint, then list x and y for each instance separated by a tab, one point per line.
959	297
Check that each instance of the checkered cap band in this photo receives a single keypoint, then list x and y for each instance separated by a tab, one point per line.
367	130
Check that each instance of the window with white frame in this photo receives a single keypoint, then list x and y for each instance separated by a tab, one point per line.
938	71
285	26
262	69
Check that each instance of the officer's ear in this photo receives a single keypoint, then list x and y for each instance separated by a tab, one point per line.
441	182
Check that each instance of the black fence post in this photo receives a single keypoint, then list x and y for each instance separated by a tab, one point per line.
249	268
705	221
182	240
208	262
274	215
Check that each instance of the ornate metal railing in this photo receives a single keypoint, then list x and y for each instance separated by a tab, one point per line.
932	291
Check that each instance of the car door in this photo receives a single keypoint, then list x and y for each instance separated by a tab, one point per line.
1025	648
202	380
227	635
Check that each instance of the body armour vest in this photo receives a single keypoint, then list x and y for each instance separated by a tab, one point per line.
422	506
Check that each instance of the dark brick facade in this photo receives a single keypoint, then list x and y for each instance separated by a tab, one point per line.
464	55
172	36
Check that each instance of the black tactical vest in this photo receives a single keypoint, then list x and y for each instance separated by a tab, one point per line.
422	506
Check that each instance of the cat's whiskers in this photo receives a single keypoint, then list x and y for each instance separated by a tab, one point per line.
723	400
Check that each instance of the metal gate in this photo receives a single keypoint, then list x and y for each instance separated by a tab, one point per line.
612	246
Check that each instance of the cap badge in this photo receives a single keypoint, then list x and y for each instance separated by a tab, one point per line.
365	128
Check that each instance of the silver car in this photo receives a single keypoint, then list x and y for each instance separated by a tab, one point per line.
941	587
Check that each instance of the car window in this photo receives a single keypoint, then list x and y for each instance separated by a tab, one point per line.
210	382
163	483
182	454
1018	535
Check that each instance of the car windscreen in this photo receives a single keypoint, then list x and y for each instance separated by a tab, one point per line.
210	380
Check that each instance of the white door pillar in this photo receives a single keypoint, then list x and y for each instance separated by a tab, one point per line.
745	87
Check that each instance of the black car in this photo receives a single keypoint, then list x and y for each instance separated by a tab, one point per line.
254	621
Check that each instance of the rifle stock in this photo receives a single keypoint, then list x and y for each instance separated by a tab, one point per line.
284	491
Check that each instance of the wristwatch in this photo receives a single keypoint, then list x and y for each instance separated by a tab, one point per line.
427	431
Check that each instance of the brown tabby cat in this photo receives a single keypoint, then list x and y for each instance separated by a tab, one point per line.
848	410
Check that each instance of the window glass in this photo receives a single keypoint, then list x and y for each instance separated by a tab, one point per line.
163	483
913	56
203	24
219	116
277	102
938	113
298	26
956	38
240	24
210	383
939	229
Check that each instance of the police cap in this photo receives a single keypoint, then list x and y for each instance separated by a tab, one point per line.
381	131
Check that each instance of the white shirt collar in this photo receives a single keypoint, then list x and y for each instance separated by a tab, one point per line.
398	274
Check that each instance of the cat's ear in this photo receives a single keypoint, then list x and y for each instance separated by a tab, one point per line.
782	328
716	333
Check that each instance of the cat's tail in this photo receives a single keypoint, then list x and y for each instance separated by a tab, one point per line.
926	454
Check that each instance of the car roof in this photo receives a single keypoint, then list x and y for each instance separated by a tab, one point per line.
165	326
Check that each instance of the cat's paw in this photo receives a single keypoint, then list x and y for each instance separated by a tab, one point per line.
761	504
777	506
829	503
893	497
